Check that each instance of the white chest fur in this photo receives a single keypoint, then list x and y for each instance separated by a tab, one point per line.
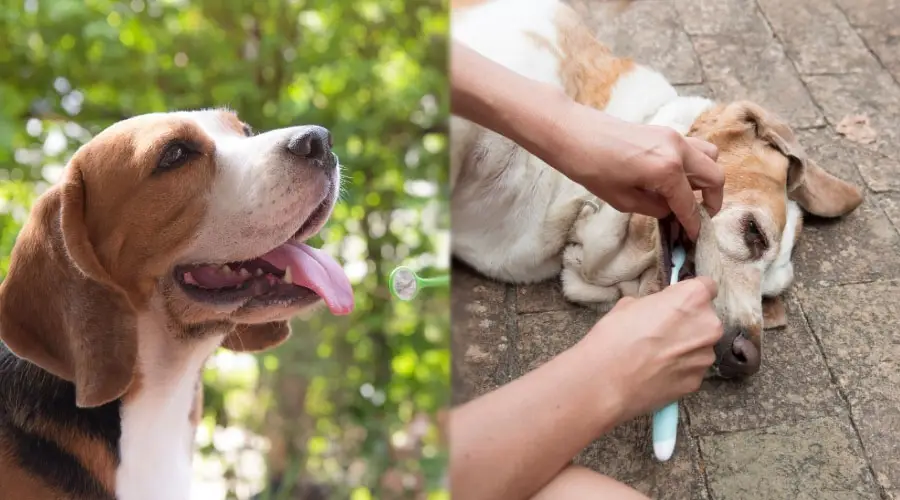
155	446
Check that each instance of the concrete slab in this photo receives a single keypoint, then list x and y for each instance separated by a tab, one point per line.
662	43
809	460
856	325
480	334
627	455
542	297
871	12
852	249
542	336
884	41
874	94
793	384
817	37
722	17
756	69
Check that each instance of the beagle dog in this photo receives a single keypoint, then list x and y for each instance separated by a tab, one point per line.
517	220
169	235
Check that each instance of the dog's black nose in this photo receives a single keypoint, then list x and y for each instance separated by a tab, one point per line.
312	143
737	355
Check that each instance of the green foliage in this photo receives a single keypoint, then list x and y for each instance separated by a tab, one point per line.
343	402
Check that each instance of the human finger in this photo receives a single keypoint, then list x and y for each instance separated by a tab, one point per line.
640	201
704	173
707	148
678	195
697	291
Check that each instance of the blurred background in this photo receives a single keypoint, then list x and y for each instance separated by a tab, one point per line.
347	407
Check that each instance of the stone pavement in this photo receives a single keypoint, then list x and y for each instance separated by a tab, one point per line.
822	418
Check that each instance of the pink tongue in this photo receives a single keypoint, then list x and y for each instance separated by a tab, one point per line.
314	269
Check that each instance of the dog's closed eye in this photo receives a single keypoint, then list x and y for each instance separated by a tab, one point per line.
174	155
754	238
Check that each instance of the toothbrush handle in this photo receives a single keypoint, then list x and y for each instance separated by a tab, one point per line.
436	281
665	429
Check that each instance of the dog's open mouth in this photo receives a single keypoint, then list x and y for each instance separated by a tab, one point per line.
293	273
671	235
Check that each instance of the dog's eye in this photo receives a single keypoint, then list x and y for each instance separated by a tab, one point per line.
174	156
248	131
754	238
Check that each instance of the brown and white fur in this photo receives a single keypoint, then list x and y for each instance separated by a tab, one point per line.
99	384
517	220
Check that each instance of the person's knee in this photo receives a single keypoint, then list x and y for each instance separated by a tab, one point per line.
578	482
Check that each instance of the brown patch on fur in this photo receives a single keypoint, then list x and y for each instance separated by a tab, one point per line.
107	233
120	163
644	232
254	338
93	454
755	172
754	334
17	483
232	121
774	313
760	153
587	68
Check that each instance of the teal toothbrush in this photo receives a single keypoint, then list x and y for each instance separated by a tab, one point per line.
665	421
405	283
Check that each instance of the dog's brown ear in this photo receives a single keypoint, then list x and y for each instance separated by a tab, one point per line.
58	308
814	189
774	313
823	194
258	337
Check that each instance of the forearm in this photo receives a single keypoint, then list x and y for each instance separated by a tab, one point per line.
503	101
532	114
511	442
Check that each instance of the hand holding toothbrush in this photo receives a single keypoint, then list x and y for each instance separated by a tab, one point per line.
657	349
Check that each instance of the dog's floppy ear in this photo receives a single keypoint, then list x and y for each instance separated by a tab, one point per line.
257	337
58	307
814	189
774	313
823	194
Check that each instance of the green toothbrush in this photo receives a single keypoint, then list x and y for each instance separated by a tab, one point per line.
405	283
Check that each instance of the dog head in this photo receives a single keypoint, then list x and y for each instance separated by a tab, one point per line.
188	213
747	246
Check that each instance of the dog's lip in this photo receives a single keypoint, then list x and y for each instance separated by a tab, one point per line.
671	234
287	273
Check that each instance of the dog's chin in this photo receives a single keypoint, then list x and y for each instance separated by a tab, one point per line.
254	314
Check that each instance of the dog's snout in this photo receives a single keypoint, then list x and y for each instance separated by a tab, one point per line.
737	355
312	143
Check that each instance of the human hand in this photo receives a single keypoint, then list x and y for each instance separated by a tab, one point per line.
656	349
646	169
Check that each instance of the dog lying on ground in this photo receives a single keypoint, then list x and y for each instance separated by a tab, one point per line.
517	220
170	234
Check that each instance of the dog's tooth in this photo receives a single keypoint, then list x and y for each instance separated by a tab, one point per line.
287	276
244	273
258	272
189	279
225	269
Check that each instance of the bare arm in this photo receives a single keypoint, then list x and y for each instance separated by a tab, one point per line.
497	98
510	443
634	167
643	354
